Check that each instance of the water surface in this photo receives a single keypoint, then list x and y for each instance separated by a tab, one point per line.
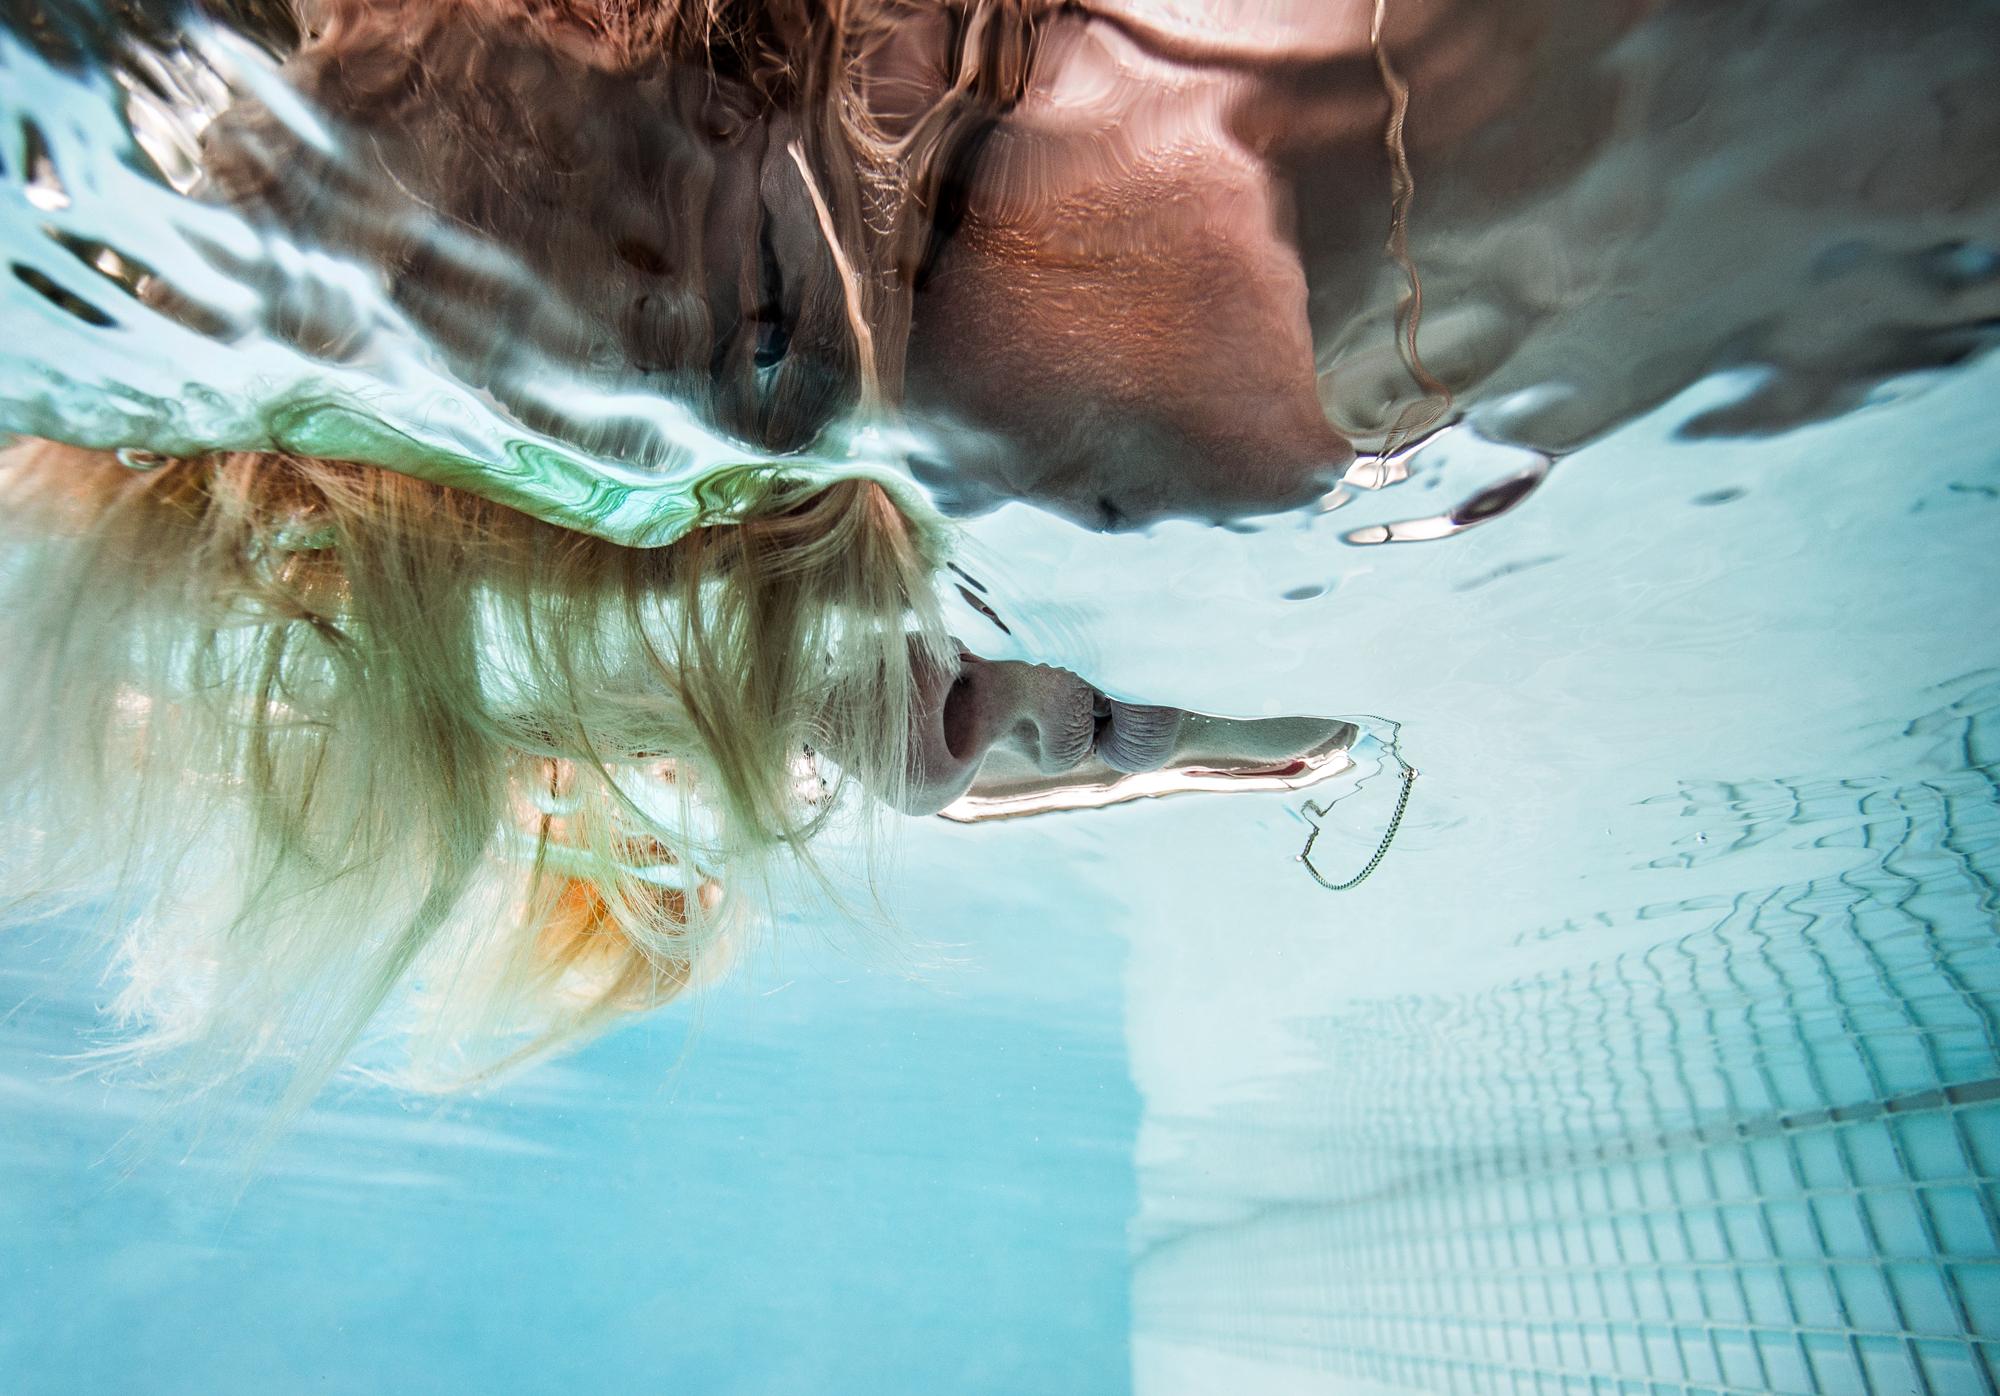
1660	1053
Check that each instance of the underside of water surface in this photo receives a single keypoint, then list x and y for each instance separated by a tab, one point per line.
1522	912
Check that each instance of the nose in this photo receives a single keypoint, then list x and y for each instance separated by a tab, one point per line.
964	712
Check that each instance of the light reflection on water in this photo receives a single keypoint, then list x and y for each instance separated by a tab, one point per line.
1662	1050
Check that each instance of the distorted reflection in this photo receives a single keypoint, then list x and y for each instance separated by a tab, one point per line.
513	512
448	409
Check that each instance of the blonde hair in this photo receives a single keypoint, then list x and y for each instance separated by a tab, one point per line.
312	732
315	734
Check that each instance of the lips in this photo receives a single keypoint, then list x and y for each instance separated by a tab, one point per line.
1132	738
1073	722
1015	721
1078	722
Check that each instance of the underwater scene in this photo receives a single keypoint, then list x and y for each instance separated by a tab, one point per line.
1258	697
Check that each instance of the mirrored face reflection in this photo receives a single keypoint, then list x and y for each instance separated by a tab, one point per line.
1094	300
1013	738
1121	308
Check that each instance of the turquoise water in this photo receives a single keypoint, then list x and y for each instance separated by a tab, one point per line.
847	1184
1660	1055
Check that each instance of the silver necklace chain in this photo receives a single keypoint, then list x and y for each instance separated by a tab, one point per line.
1316	812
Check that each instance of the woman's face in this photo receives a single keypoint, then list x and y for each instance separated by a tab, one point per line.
1114	325
981	726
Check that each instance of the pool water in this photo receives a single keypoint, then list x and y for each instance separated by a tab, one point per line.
1661	1052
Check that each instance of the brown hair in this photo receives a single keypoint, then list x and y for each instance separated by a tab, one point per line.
596	140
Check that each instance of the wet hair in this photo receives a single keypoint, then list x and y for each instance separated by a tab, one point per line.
319	737
314	728
597	140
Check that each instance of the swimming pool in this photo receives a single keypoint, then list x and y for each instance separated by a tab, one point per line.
1659	1054
1660	1050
